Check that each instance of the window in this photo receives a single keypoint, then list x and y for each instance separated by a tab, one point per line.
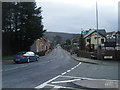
88	40
102	40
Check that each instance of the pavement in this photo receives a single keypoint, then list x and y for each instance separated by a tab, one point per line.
94	61
97	83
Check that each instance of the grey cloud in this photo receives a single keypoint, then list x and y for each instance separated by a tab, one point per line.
71	18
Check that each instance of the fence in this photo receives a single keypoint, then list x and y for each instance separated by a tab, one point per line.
114	53
85	54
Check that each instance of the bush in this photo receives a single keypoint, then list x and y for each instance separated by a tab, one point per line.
42	53
84	54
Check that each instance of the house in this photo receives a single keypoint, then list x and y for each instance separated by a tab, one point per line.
118	40
41	45
85	32
91	38
114	37
75	45
111	48
111	36
75	41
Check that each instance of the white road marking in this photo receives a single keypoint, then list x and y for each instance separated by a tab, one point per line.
66	81
46	61
24	66
106	82
75	66
63	73
72	68
55	87
111	84
83	78
62	87
15	68
70	77
10	69
68	70
45	83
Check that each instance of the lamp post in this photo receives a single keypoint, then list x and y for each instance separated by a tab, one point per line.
116	38
97	28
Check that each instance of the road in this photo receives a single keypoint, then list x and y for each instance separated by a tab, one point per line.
55	70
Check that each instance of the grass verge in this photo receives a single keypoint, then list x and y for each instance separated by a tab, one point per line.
7	58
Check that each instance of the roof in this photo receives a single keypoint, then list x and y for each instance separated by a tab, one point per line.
109	33
111	38
102	32
75	40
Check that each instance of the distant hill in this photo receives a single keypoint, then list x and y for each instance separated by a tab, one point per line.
50	35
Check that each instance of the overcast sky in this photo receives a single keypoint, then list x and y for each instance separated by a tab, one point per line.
72	16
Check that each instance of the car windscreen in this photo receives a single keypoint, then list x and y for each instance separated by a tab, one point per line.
20	53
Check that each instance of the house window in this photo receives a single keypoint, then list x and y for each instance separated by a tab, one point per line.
88	40
102	40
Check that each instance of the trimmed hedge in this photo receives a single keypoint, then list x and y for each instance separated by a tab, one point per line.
40	53
85	54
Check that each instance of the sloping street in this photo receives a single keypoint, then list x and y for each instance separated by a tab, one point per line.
60	45
57	70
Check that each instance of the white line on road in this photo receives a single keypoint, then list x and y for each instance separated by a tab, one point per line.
45	83
68	70
70	77
72	68
83	78
65	81
15	68
24	66
57	87
63	73
101	82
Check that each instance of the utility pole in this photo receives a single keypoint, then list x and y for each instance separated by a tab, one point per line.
97	28
118	31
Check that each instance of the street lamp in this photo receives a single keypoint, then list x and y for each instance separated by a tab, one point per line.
97	28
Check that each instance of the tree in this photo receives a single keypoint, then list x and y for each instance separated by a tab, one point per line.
7	26
82	42
22	23
68	42
57	39
31	27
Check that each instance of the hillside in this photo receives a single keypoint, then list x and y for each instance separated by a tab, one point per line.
64	36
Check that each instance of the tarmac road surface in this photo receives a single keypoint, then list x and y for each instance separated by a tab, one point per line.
55	70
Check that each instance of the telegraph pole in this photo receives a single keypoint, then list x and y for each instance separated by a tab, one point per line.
97	28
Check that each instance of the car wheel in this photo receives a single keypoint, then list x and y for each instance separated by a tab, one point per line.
16	62
36	59
28	60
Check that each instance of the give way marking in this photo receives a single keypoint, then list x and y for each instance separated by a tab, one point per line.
46	83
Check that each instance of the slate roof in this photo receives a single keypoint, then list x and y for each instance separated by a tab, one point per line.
110	38
100	31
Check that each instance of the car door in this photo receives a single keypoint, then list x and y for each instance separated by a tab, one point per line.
32	56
